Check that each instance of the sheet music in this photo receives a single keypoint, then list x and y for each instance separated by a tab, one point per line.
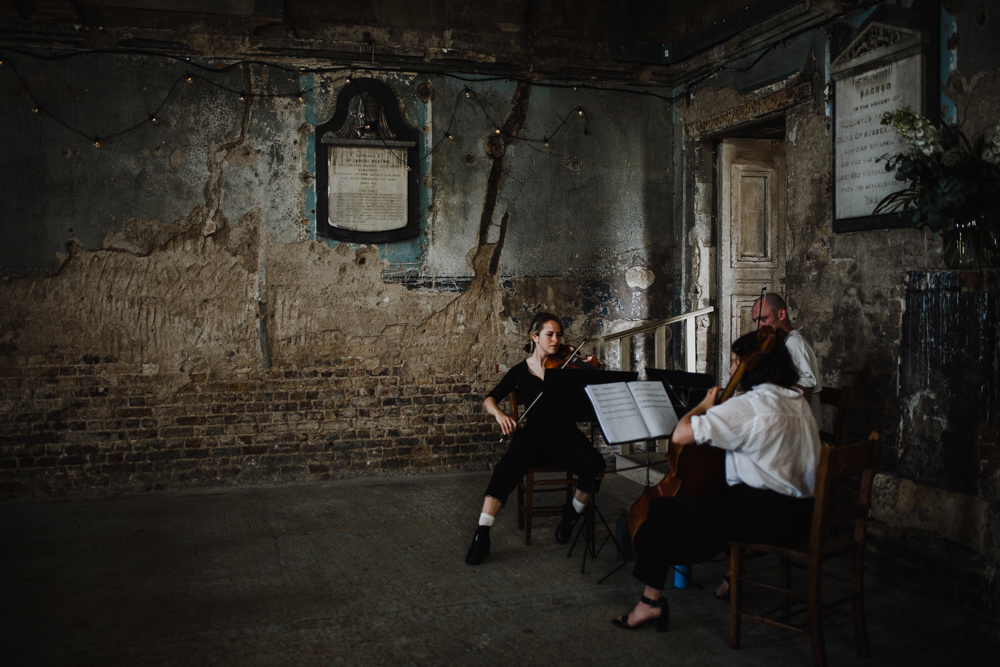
632	411
617	412
655	406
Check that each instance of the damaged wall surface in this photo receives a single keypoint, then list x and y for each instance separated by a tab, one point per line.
171	317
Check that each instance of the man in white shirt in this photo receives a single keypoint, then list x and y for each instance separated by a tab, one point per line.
770	310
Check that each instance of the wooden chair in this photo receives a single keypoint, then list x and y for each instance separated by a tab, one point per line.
551	480
835	462
838	398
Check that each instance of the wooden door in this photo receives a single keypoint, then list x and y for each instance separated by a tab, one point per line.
751	233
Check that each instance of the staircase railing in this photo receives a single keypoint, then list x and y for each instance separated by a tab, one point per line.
659	328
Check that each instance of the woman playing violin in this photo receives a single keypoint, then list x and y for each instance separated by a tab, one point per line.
772	449
542	440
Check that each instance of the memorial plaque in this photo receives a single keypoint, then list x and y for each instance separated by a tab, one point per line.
367	188
367	191
862	181
882	70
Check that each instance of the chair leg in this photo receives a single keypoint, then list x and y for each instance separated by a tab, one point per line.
858	602
735	591
816	638
520	506
529	505
785	567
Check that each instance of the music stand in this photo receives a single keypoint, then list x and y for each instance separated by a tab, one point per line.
565	396
685	390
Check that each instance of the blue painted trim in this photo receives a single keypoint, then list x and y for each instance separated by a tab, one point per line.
306	83
857	19
949	63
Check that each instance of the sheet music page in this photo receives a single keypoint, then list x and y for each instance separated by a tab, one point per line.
617	412
655	407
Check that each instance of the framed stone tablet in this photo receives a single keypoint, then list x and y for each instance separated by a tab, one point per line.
883	69
366	185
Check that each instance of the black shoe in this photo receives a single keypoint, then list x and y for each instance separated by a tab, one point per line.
564	530
480	548
662	621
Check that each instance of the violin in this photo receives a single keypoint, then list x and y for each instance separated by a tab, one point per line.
567	357
697	470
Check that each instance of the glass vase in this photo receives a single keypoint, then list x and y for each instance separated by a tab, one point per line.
970	245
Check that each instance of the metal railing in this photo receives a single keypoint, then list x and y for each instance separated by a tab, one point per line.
659	328
690	340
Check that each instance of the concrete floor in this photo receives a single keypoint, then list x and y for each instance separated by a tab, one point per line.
371	572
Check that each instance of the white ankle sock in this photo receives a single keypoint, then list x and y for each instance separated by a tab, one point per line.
486	519
578	506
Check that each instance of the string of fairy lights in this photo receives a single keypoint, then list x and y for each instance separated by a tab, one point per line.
300	94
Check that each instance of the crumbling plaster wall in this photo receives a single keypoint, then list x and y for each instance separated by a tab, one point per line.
171	317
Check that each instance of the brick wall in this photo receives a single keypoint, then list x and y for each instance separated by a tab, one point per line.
91	425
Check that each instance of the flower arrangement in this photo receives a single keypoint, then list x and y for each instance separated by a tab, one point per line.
950	178
953	184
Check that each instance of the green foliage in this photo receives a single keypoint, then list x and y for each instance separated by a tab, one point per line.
948	179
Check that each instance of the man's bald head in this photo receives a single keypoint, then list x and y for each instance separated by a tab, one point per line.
770	310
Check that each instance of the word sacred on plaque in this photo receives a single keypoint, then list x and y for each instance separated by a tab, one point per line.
881	70
366	189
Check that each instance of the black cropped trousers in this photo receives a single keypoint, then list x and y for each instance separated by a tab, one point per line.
741	514
546	448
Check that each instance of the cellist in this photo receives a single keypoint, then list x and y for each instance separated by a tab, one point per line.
772	449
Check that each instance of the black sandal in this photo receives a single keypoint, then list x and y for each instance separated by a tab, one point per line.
662	620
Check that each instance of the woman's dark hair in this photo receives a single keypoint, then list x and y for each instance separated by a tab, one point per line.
537	322
776	366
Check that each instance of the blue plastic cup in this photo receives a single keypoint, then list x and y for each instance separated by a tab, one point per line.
682	576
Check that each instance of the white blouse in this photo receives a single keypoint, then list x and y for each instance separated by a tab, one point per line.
771	439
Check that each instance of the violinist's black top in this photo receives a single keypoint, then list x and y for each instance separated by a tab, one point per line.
529	387
520	378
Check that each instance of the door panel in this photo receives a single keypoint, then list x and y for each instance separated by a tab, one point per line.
751	231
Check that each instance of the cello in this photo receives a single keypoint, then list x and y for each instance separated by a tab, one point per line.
697	470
